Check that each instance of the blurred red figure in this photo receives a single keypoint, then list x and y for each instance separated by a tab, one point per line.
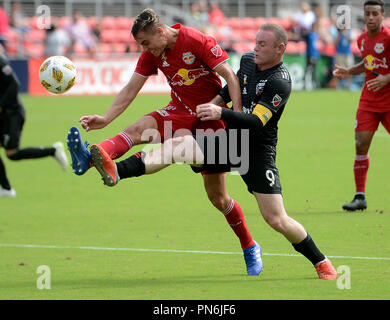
216	16
4	26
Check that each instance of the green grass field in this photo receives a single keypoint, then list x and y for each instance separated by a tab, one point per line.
90	235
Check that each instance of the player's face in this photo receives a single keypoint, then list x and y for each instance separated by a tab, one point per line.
154	42
373	16
266	51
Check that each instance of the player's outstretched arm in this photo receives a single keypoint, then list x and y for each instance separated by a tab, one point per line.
124	98
341	72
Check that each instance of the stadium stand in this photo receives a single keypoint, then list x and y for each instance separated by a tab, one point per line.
113	35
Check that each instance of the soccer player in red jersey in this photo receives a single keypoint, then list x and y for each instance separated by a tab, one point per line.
191	63
374	106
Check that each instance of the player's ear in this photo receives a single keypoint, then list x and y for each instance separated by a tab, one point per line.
281	47
159	30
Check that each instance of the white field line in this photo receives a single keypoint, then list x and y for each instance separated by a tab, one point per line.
172	251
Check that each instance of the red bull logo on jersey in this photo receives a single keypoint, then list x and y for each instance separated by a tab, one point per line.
188	57
187	77
371	63
379	48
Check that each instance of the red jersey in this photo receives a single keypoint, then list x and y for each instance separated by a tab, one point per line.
188	67
376	54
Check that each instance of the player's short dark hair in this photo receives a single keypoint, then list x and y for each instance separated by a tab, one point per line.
380	3
279	32
146	21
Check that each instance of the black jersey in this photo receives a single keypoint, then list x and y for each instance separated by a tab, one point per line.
262	92
9	85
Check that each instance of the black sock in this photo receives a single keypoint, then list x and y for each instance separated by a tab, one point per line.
33	153
133	166
3	177
308	248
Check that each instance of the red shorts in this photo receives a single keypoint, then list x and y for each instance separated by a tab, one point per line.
178	120
369	121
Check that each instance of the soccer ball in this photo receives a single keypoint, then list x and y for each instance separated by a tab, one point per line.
57	74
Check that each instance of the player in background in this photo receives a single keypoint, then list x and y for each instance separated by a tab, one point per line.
12	117
374	105
266	86
191	62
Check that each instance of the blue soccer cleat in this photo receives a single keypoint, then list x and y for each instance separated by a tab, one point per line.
252	256
81	156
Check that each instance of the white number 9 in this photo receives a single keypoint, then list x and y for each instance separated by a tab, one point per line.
271	177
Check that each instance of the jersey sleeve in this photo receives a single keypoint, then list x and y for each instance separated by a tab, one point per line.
208	50
145	65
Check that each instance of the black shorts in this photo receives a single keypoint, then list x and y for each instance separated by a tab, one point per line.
11	128
257	166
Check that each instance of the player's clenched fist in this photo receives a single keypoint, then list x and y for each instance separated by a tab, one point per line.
340	72
93	122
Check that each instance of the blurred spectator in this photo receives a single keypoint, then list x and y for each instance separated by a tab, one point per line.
203	12
312	56
344	56
4	26
323	26
294	31
19	20
305	19
227	45
216	16
57	42
81	34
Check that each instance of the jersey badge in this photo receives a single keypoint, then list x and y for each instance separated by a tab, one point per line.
276	100
362	45
188	57
379	48
244	91
259	88
245	79
217	51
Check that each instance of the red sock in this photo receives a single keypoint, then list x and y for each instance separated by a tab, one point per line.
360	168
117	146
235	217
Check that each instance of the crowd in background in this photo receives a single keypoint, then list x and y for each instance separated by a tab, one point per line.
310	32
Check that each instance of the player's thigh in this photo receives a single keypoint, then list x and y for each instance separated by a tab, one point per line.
143	130
263	175
366	125
271	207
11	132
386	121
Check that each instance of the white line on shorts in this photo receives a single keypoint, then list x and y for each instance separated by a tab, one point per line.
172	251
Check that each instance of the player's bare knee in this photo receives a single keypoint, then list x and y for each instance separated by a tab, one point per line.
219	200
275	222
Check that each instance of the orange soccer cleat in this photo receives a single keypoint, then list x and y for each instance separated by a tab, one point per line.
105	165
326	271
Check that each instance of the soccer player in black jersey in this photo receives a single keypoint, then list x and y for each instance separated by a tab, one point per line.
12	117
266	86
